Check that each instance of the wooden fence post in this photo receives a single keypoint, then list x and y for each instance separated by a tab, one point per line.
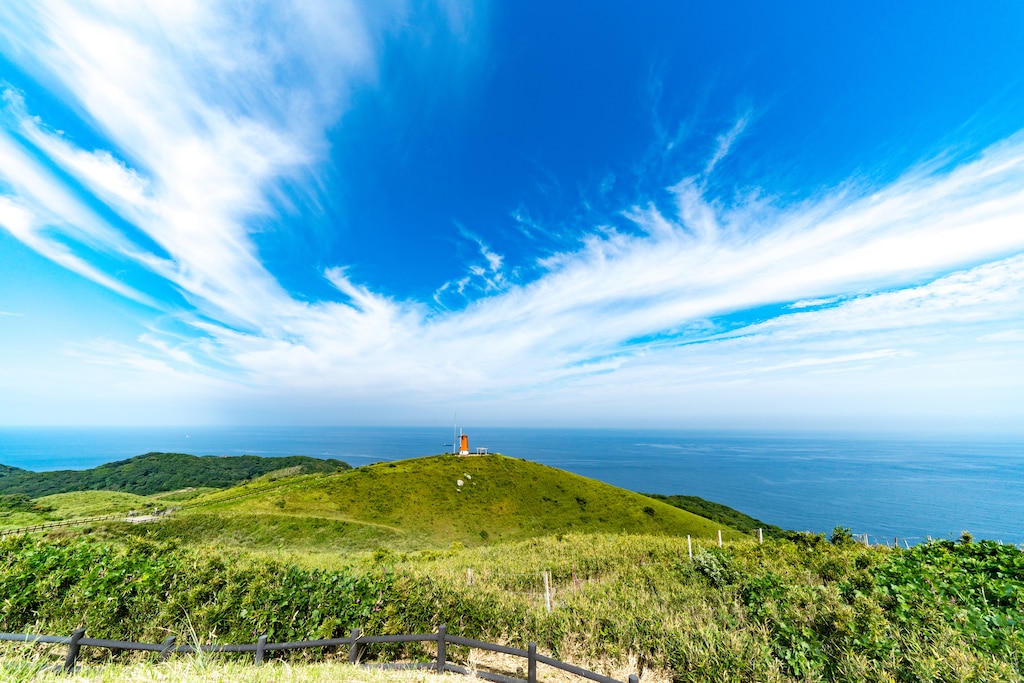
353	649
442	648
689	547
760	537
165	649
73	648
547	592
261	645
719	538
531	666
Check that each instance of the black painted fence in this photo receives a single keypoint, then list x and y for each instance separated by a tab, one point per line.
355	642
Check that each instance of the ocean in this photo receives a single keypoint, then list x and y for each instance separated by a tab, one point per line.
910	488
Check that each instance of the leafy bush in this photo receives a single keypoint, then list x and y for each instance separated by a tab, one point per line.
715	566
841	536
142	591
20	502
977	589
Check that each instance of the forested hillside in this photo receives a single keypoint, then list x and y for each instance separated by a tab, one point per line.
7	471
157	472
723	514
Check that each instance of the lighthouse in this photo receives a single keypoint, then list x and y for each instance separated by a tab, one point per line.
464	444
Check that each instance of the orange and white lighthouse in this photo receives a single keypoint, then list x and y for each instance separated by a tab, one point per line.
464	444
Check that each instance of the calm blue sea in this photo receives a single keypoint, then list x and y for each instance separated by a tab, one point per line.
885	487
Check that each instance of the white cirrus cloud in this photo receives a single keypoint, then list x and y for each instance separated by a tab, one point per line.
209	120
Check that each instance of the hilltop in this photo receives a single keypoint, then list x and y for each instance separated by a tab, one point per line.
427	502
156	473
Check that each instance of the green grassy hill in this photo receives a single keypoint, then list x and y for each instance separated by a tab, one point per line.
158	472
17	510
428	502
94	503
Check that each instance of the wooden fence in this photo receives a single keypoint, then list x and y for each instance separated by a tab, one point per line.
60	523
355	642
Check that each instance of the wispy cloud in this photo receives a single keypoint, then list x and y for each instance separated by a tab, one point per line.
203	129
725	142
205	133
578	320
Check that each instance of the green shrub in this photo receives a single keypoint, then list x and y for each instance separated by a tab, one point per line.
142	591
841	536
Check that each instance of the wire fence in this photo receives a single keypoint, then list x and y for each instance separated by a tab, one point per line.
356	643
555	589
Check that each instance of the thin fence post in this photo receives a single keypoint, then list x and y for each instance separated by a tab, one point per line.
353	649
760	537
531	663
469	575
689	547
547	592
719	538
261	645
73	648
442	648
165	649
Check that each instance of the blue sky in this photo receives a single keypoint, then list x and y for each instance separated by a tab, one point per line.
727	215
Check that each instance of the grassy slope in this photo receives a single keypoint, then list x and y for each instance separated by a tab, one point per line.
418	503
182	495
78	504
95	503
158	472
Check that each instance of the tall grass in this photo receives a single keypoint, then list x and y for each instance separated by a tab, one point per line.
788	610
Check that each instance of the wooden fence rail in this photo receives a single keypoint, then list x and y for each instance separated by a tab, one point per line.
59	523
355	642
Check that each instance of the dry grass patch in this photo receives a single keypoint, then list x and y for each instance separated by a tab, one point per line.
210	670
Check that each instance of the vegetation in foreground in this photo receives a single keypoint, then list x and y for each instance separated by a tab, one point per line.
783	611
